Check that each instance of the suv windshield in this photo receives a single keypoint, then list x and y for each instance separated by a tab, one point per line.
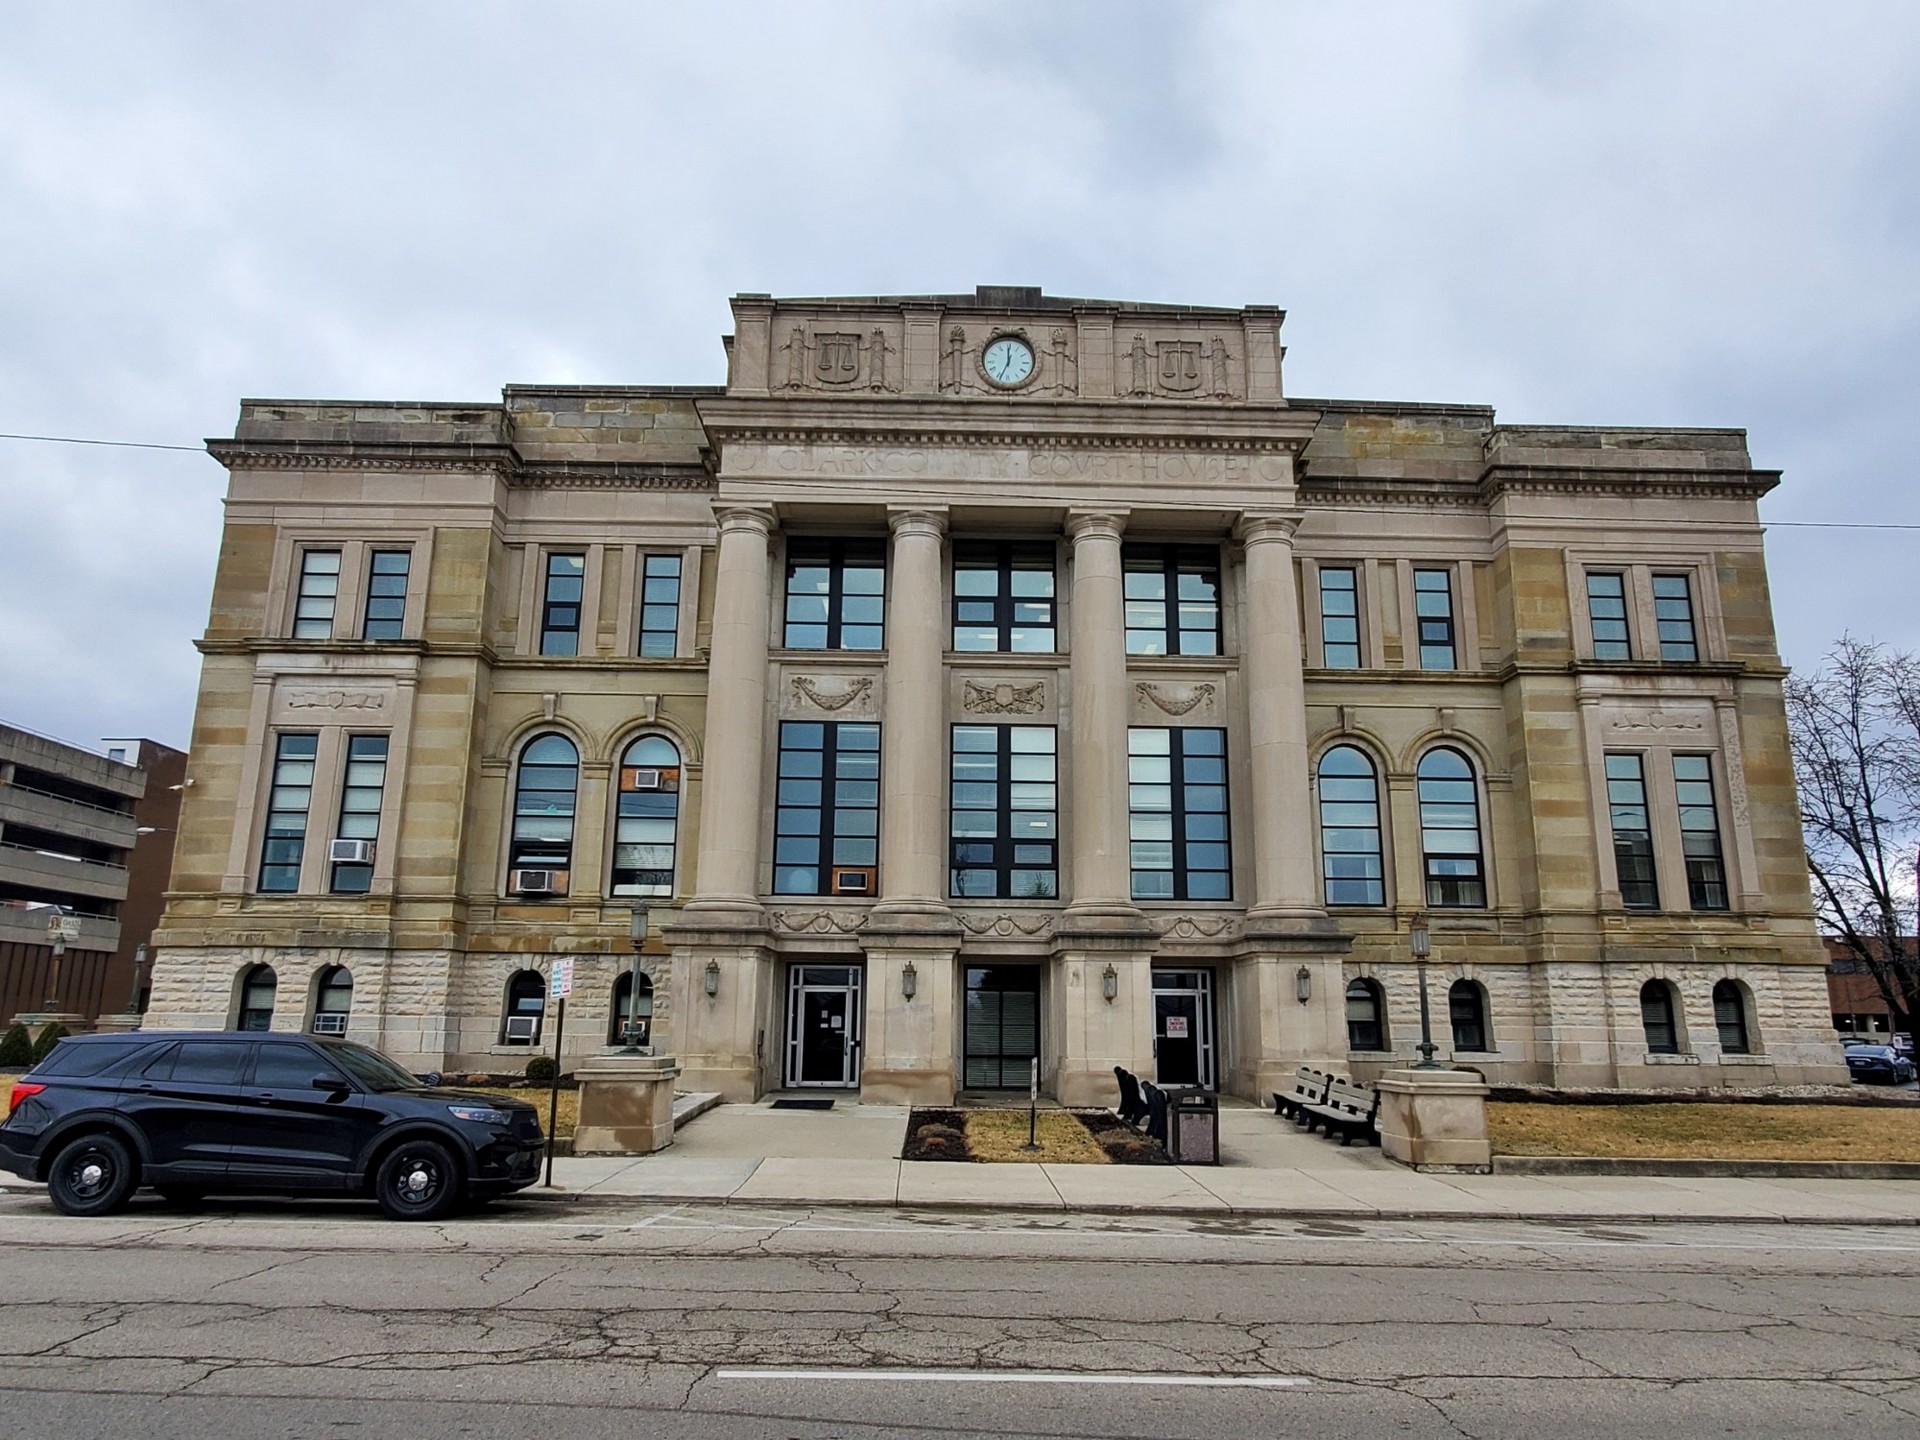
370	1067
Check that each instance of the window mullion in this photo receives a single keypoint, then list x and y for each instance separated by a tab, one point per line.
1177	806
1003	805
829	787
1003	602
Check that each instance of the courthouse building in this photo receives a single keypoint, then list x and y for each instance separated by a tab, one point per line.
977	679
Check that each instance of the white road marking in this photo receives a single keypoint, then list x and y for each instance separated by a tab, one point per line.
1024	1377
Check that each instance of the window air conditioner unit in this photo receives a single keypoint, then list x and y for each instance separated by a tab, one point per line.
523	1028
333	1024
351	852
853	879
633	778
537	882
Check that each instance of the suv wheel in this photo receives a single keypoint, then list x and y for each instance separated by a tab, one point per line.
93	1175
418	1180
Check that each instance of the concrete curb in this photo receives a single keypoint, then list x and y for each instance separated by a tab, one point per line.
1708	1169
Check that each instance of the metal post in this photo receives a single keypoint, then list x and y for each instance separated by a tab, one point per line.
553	1096
1033	1104
1421	944
57	939
139	964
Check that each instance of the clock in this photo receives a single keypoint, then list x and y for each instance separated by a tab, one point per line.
1007	361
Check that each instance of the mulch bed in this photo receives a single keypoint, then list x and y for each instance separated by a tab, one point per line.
942	1135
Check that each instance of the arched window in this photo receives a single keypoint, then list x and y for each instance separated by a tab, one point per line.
617	1012
333	1001
1656	1016
256	998
526	1007
1730	1017
541	851
1350	829
1366	1016
647	818
1467	1008
1450	832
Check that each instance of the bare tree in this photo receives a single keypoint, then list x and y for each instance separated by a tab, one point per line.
1856	755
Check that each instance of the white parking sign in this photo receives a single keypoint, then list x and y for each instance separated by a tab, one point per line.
560	981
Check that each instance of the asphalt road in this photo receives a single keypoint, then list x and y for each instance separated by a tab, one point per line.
533	1320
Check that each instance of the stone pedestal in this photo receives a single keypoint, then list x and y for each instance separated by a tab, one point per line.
122	1024
37	1020
1435	1120
626	1104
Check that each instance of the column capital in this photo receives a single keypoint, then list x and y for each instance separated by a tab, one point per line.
1258	526
1094	524
745	517
917	519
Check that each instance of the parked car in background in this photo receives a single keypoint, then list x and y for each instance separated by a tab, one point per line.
195	1113
1880	1063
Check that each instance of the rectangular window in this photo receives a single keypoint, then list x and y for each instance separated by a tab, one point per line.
1003	597
1632	832
560	604
1607	612
1172	599
319	590
1177	814
287	806
386	594
1340	617
659	605
1673	611
360	791
827	820
1700	832
1005	832
1433	608
836	594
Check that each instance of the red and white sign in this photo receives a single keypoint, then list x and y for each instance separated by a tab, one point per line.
1176	1027
560	980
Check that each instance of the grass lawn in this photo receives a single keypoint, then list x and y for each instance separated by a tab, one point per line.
563	1122
998	1135
1707	1132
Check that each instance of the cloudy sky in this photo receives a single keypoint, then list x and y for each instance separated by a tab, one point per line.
1643	214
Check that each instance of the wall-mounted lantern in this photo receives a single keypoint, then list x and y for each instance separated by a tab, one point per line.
1303	984
909	982
713	978
1110	984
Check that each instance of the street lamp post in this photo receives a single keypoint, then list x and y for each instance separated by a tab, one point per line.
139	964
57	940
1421	944
639	933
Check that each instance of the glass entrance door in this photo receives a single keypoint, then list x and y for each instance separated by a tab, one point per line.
1002	1026
823	1025
1183	1048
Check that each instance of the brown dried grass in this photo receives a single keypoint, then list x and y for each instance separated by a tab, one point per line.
996	1136
1707	1132
564	1122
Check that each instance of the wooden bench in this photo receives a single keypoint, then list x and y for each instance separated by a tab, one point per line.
1351	1109
1309	1088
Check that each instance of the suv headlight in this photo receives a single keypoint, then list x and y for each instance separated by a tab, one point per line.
479	1114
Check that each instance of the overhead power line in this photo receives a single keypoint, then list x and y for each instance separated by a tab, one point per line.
120	444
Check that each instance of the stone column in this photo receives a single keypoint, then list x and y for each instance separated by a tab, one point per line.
913	771
1284	886
736	706
1099	769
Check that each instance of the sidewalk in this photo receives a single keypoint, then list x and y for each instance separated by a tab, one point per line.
849	1156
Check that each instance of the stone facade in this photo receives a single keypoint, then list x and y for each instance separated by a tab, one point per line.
1233	576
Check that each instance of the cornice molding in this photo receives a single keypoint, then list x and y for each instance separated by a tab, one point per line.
723	435
501	462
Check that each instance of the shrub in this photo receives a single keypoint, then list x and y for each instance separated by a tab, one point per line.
16	1048
540	1070
47	1039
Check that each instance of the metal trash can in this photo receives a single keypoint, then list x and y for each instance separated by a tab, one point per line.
1193	1126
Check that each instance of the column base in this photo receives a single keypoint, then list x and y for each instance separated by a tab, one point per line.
1435	1120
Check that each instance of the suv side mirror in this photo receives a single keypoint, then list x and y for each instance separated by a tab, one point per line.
333	1084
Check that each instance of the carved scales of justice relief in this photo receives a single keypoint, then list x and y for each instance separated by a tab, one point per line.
856	691
1177	368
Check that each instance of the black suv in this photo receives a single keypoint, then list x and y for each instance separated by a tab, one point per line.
190	1113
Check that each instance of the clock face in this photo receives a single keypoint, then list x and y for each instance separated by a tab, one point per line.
1007	361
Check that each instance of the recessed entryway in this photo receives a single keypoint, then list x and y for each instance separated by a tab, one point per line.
1002	1028
1183	1028
823	1026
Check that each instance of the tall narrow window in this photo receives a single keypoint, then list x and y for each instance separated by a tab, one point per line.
1700	832
525	1008
540	853
1467	1010
1730	1017
1003	597
1005	801
1177	799
292	796
1366	1016
333	1001
1632	832
1656	1018
827	820
1172	599
319	591
1673	611
560	604
361	789
1433	608
659	605
386	594
1450	831
836	594
1350	851
1340	617
256	998
1607	612
647	818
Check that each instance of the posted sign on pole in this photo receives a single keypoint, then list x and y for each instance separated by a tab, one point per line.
560	981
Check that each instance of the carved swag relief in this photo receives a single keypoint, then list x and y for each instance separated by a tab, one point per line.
856	692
